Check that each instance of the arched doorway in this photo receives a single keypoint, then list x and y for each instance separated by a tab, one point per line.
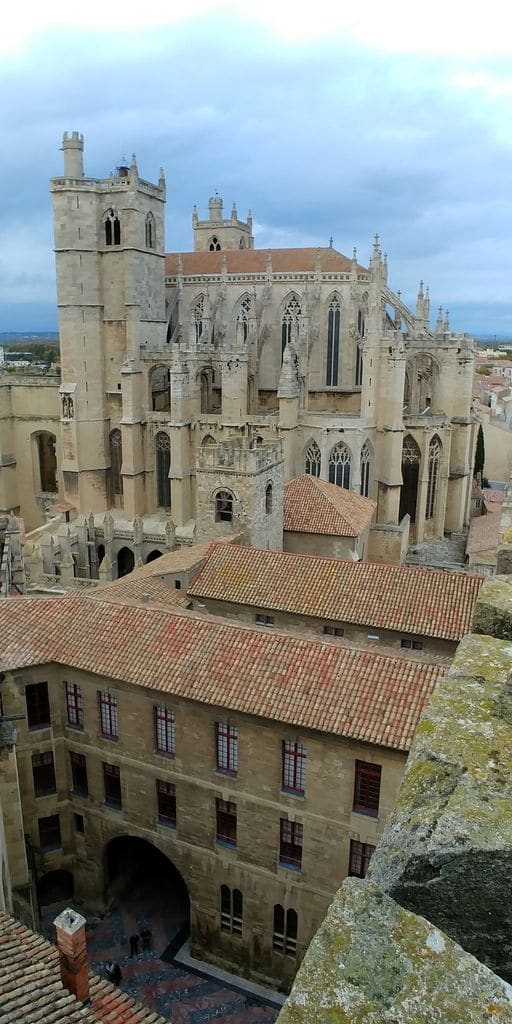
55	887
125	562
152	555
141	880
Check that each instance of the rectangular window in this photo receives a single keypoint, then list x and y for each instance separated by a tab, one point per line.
49	832
165	731
227	747
112	785
226	821
166	802
43	772
290	843
360	857
410	644
264	620
109	724
38	705
367	788
294	767
75	705
79	823
79	774
333	631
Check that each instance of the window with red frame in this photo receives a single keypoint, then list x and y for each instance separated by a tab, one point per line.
284	938
226	736
79	774
165	731
38	705
166	802
367	788
112	785
109	722
294	767
43	772
360	857
49	832
75	705
290	843
226	821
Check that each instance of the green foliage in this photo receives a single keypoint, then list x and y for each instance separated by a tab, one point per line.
479	453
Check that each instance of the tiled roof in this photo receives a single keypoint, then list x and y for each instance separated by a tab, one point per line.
425	602
312	505
31	991
484	532
254	261
154	581
344	691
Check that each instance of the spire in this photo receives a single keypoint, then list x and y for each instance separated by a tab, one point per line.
134	173
446	325
195	217
289	380
439	321
419	302
331	240
234	215
426	304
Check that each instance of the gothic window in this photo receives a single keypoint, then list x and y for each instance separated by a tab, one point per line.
116	460
242	320
290	323
434	456
208	439
366	458
223	507
359	366
333	342
312	459
150	231
197	315
268	499
231	910
47	461
163	465
361	325
339	466
411	457
214	244
112	228
285	931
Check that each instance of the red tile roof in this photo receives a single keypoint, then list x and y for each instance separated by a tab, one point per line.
308	683
484	533
315	506
31	989
425	602
254	261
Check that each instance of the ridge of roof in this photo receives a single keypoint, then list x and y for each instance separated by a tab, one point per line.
254	261
312	505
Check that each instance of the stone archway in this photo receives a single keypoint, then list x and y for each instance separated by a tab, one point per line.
55	887
125	562
153	554
145	884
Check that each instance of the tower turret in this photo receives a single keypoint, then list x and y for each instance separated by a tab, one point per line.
218	232
73	149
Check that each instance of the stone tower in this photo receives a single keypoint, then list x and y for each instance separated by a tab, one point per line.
109	246
219	233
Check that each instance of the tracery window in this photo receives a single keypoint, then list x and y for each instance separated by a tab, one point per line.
339	466
116	460
366	458
242	320
214	244
112	228
197	315
223	507
163	466
290	323
411	457
434	456
312	459
333	342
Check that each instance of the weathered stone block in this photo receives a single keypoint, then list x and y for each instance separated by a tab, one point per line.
493	612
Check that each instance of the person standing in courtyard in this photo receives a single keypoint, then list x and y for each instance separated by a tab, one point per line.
134	945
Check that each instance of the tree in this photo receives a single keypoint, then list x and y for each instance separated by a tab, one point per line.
479	454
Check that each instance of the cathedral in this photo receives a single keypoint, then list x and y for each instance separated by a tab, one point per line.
195	385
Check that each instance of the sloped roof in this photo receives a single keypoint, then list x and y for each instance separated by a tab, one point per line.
344	691
424	602
484	533
254	261
31	989
312	505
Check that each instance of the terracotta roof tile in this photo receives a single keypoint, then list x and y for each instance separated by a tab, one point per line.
312	505
308	683
484	533
424	602
254	261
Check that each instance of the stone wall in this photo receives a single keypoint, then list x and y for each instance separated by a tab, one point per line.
401	945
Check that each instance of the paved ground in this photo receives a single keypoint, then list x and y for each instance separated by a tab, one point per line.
444	553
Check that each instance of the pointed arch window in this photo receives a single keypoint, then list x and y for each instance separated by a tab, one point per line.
339	466
411	457
434	458
359	366
366	460
312	459
231	910
242	320
290	323
150	231
112	228
333	342
116	461
163	466
269	497
285	931
361	324
214	244
198	314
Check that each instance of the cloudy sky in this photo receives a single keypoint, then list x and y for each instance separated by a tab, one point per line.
396	119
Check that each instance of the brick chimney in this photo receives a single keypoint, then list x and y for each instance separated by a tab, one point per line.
74	971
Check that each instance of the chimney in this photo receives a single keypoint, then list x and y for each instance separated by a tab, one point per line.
74	971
